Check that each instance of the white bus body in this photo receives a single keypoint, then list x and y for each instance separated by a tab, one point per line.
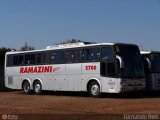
152	69
94	68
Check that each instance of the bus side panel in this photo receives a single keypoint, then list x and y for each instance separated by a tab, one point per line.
60	82
73	72
110	85
12	78
45	80
89	71
55	80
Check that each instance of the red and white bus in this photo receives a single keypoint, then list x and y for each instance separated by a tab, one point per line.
94	68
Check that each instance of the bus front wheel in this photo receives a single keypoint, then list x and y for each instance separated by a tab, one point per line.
26	87
37	88
94	89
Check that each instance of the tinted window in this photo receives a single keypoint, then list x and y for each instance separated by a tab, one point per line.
155	62
133	67
14	60
57	57
90	54
107	52
30	59
111	69
21	60
42	58
9	60
39	58
85	55
46	56
73	56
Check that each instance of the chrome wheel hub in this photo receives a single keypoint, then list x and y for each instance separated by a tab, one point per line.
37	88
95	89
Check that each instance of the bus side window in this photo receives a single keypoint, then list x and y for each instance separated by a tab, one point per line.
46	56
73	56
30	59
18	60
108	63
77	56
108	69
15	60
103	69
21	60
111	69
40	58
68	56
107	52
57	57
90	55
9	60
85	55
94	54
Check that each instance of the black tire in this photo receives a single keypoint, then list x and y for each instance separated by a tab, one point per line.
26	87
94	89
37	88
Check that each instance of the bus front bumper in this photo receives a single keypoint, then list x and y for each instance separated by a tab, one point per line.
132	88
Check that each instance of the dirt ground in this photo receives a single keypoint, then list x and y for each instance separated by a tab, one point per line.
79	106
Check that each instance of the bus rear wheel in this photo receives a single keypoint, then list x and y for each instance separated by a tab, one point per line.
37	88
94	89
26	87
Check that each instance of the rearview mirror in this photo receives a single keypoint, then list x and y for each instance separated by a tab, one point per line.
120	60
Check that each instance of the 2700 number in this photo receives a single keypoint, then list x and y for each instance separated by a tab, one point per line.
91	67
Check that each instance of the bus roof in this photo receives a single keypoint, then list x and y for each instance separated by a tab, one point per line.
66	46
149	52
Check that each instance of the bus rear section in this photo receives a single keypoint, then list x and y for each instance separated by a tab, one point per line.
151	60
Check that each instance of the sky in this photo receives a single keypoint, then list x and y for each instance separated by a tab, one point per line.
42	23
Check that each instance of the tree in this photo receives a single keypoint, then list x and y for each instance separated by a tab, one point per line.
27	47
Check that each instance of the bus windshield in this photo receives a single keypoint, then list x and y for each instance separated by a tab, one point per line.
133	67
155	62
